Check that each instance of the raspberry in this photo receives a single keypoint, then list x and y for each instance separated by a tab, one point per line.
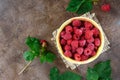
88	34
105	7
79	50
93	53
69	41
77	57
68	29
67	36
63	42
73	50
74	44
87	51
76	23
68	53
95	32
43	41
88	25
90	40
82	43
83	57
96	48
78	32
67	47
97	42
91	46
62	33
76	37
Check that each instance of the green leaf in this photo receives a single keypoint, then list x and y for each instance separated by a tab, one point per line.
80	6
50	57
85	7
103	69
92	74
47	57
28	55
74	5
54	74
70	76
42	58
34	44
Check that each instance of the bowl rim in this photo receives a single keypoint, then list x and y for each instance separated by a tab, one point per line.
60	48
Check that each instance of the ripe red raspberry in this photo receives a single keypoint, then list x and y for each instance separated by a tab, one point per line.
68	53
76	37
90	40
82	43
69	41
73	50
95	32
79	50
76	23
78	32
62	34
97	42
88	25
87	51
67	47
105	7
63	42
77	57
88	34
68	28
91	46
74	44
93	53
83	57
67	36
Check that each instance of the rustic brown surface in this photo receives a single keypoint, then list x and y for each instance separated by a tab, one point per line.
38	18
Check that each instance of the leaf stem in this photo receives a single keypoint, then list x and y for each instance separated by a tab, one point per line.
25	67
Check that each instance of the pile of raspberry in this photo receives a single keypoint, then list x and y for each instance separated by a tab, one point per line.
80	40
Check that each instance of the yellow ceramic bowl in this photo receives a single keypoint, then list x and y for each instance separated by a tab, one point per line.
60	47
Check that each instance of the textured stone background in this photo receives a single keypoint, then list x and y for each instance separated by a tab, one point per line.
39	18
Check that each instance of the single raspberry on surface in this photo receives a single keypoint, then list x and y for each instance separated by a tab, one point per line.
78	32
69	41
105	7
67	53
91	46
90	40
67	36
95	32
67	47
63	42
97	42
76	37
62	33
44	43
88	25
79	50
74	44
68	28
88	34
93	53
82	43
77	57
87	51
84	57
76	23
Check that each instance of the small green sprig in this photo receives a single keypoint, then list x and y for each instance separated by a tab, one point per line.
37	49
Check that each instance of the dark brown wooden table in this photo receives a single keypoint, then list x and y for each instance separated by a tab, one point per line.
39	18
